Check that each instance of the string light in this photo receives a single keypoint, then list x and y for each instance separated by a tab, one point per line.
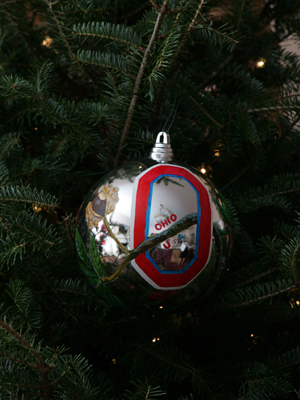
261	63
156	339
294	303
217	153
203	170
47	41
161	307
114	361
37	207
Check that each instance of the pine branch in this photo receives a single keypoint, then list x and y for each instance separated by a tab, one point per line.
219	36
201	107
7	143
105	60
179	366
14	22
136	90
108	31
26	195
187	34
65	40
255	278
274	108
251	295
41	366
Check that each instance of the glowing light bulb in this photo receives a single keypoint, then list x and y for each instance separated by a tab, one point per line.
47	41
37	207
261	63
217	153
203	170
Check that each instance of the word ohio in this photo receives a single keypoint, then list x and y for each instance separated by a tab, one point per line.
166	222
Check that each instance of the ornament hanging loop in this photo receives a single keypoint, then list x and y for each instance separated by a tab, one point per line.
162	151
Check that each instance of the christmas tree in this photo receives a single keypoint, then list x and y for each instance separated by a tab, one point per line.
86	86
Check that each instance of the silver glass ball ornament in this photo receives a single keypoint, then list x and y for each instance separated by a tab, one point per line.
167	219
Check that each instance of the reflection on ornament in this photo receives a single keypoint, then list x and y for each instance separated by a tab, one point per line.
157	230
103	204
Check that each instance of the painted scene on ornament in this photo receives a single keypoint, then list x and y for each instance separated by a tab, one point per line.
104	204
178	252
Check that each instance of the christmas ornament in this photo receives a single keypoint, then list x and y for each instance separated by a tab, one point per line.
153	229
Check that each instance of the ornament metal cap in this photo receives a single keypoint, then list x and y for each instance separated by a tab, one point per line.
162	151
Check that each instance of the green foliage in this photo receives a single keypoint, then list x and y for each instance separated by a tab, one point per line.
144	391
221	37
24	195
94	270
105	30
262	383
105	60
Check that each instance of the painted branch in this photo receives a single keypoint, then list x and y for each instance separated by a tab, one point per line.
149	243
